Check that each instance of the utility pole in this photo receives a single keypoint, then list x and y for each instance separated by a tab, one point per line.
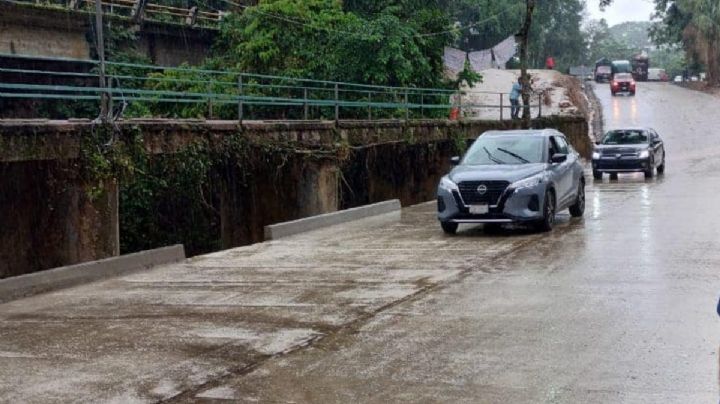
523	38
100	45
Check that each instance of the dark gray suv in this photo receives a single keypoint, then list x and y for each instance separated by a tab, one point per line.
627	151
513	176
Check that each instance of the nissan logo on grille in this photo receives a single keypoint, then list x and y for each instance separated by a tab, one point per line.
482	189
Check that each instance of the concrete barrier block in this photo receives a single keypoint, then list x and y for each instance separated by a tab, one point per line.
286	229
64	277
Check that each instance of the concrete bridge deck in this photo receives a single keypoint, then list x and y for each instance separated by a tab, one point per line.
178	330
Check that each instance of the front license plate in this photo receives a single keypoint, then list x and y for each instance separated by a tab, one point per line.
479	209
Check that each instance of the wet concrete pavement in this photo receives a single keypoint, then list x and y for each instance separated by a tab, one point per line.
617	307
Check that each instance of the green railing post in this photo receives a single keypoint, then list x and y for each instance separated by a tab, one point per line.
337	103
369	105
501	107
305	103
407	107
240	98
422	106
460	105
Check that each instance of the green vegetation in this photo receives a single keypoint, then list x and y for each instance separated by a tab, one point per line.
624	40
621	41
319	39
693	25
556	29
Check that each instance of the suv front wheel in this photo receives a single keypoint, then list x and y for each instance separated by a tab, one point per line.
661	167
650	172
548	220
578	208
449	227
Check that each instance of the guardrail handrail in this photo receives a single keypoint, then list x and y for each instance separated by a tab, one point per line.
133	82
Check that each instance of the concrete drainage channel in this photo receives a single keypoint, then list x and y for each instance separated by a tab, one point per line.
74	275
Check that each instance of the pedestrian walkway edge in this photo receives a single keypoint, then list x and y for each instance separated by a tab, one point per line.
286	229
72	275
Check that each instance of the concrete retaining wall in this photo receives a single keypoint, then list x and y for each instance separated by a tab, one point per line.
291	170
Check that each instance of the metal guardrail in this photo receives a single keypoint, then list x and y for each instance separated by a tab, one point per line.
140	10
182	91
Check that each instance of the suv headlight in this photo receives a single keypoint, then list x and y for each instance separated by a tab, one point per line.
447	184
528	182
644	154
596	155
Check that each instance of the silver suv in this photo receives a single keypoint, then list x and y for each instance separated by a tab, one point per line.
513	176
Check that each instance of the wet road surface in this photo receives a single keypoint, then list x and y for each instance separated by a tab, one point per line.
617	307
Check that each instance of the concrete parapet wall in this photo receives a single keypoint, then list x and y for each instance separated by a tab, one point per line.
287	229
24	140
58	278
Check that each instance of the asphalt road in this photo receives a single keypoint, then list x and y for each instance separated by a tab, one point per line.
616	307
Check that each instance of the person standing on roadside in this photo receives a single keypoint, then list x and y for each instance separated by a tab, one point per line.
515	99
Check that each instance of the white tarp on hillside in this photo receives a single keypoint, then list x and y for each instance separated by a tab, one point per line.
481	60
454	60
496	57
504	51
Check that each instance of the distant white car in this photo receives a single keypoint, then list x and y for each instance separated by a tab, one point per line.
694	78
656	74
678	79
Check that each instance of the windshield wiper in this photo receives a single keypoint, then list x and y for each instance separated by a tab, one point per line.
493	158
524	160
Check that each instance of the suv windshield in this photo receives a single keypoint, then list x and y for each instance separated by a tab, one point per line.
623	76
505	149
625	137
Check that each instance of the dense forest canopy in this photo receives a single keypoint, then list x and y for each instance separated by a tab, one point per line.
397	42
400	42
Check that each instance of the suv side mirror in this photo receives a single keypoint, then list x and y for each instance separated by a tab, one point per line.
558	158
455	160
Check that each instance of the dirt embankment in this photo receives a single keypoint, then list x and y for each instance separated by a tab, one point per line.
562	95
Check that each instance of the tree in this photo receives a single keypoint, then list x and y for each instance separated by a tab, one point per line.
703	32
557	32
619	42
369	42
693	23
556	28
523	37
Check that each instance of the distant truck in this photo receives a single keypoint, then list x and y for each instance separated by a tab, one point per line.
602	74
640	66
603	70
